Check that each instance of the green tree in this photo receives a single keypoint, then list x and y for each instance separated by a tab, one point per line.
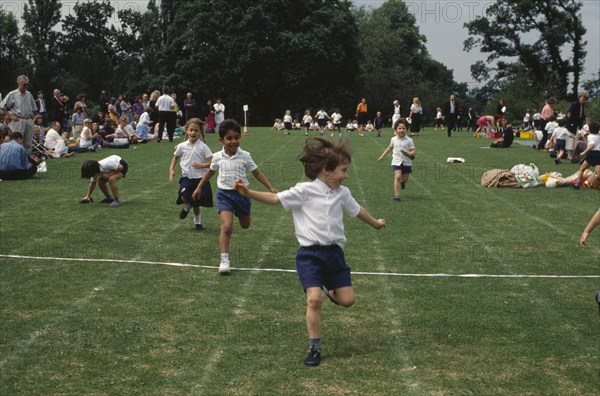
269	54
11	56
506	31
40	41
88	56
395	64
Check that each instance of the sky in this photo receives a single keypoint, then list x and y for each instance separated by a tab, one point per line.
442	22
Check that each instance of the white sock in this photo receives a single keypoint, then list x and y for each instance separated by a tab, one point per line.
198	219
225	256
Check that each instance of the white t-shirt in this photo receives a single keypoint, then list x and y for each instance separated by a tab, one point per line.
398	145
561	133
232	168
551	126
594	139
198	152
165	103
337	118
416	109
83	142
318	212
307	119
107	164
287	118
321	114
144	120
52	138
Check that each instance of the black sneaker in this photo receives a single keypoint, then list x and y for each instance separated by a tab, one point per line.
107	200
313	359
199	227
326	292
183	214
598	300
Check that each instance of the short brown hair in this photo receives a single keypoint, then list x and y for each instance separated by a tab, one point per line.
323	154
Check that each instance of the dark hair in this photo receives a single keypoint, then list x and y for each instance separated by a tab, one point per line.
229	125
166	89
401	121
322	154
89	168
562	122
16	136
594	127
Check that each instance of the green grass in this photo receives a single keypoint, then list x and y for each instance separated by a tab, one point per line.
109	327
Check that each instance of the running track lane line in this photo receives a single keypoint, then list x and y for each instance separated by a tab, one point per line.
172	264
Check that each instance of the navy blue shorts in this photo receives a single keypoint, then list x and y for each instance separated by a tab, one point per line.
322	265
125	167
233	201
322	122
593	158
187	187
403	168
561	144
307	125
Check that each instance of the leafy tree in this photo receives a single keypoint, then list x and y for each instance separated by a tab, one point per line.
87	46
395	63
11	56
269	54
40	39
502	34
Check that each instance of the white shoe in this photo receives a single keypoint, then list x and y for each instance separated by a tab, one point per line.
224	267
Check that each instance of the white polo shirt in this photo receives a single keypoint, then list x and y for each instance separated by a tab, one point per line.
594	139
318	212
398	145
199	152
232	168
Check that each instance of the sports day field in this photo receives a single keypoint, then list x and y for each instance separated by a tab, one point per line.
467	290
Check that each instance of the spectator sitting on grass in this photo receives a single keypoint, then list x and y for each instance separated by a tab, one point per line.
507	138
14	159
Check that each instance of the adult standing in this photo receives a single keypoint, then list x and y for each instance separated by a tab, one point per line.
103	101
415	116
397	114
361	115
451	110
209	117
576	113
189	107
57	107
219	113
166	114
19	107
80	103
546	115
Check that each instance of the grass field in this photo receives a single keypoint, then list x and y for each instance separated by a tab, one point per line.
118	320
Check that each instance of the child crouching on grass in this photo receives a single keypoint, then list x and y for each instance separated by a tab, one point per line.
109	169
195	159
318	209
403	152
232	163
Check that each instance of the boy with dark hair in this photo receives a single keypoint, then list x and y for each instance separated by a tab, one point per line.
109	169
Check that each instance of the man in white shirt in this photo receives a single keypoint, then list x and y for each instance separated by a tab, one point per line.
166	114
219	113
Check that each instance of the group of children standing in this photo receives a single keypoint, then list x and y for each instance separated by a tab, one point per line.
324	123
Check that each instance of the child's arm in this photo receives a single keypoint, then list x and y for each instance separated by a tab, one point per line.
370	220
385	152
200	165
587	150
209	173
270	198
263	179
172	168
90	190
594	221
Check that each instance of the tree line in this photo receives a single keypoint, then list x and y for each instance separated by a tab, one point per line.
275	55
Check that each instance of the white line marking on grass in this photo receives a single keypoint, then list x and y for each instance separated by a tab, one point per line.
415	275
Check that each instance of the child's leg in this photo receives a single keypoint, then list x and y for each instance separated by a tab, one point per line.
113	185
245	221
582	169
397	181
344	295
405	178
102	186
314	301
226	218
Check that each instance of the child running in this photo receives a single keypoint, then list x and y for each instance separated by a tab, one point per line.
403	152
109	169
195	158
232	163
287	122
318	209
307	121
591	153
